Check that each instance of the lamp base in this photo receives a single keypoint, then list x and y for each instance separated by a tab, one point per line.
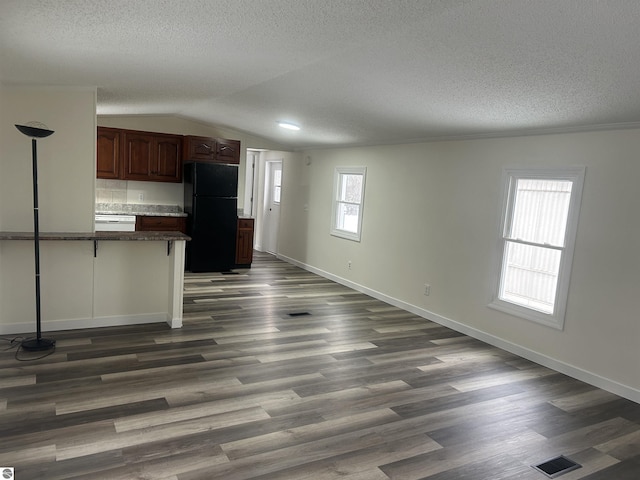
38	344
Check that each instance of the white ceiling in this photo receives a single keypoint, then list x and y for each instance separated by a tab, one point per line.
349	72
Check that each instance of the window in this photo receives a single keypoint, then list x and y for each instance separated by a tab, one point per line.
348	198
277	184
538	229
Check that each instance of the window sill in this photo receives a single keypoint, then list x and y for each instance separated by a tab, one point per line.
528	314
346	235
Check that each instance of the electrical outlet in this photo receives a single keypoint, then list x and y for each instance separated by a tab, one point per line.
427	289
141	196
349	264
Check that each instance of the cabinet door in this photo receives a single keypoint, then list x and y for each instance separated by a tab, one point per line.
108	153
227	151
199	148
244	242
138	156
168	159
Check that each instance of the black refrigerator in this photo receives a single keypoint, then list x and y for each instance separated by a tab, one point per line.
211	202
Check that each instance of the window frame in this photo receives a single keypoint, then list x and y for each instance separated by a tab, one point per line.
276	187
336	202
510	176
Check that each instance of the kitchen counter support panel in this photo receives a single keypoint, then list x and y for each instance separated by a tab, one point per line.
98	310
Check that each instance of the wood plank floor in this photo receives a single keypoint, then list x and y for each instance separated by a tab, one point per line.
281	374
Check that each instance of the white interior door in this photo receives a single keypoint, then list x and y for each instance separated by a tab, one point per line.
273	192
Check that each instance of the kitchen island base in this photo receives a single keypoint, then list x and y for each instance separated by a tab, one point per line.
130	278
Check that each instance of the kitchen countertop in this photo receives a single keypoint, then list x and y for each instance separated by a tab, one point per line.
125	236
139	209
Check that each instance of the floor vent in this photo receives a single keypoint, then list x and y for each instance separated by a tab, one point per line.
299	314
554	467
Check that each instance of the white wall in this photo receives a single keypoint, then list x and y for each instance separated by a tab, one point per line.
431	215
131	278
66	167
66	159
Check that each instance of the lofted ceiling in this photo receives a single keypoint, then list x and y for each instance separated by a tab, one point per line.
349	72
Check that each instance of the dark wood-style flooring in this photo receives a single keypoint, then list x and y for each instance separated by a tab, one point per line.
281	374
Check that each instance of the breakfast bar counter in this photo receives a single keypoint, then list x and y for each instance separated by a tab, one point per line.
169	237
94	279
117	236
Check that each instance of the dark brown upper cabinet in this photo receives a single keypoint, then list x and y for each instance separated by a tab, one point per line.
206	149
157	157
152	157
199	148
227	151
136	155
108	145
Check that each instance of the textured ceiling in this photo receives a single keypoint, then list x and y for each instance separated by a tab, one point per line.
349	72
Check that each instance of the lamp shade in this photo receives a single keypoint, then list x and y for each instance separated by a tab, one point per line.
34	130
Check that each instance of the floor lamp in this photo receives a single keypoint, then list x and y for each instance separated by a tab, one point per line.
36	130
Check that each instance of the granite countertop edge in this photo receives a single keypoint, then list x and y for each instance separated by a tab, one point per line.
114	236
139	210
141	214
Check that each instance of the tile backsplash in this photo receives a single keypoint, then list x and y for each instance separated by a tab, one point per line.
111	191
132	192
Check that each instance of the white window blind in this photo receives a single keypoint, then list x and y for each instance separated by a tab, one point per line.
540	215
277	185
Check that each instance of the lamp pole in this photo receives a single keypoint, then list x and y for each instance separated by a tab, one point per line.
36	130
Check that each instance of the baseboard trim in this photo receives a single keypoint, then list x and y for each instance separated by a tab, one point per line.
591	378
78	323
174	322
